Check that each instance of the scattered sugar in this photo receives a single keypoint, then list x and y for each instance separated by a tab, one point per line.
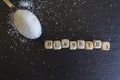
118	36
43	62
48	11
94	36
14	33
111	28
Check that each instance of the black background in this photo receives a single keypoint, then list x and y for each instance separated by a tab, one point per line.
24	59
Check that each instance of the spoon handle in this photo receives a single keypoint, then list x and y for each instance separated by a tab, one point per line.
9	4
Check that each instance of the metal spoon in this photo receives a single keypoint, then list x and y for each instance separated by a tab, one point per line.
25	22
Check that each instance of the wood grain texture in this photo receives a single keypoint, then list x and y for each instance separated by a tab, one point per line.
23	59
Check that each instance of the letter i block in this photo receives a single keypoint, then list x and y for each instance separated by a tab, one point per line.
57	45
48	44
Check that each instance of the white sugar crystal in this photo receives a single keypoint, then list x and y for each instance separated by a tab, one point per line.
27	24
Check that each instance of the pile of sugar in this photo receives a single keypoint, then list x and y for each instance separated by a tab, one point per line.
26	4
27	24
22	4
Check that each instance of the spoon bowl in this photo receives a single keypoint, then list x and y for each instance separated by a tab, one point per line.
25	22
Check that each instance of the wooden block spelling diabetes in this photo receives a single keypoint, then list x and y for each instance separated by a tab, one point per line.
80	44
57	45
105	46
89	45
97	44
65	43
48	44
73	45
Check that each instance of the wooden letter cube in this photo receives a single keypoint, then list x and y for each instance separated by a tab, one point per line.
89	45
65	43
57	45
73	45
80	44
97	44
48	44
105	46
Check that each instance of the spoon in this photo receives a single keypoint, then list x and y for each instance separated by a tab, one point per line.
25	22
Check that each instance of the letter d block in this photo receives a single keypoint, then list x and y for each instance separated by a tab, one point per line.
48	44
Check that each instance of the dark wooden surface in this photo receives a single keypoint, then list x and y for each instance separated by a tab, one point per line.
23	59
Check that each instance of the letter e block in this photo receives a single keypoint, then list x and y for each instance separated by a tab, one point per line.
73	45
80	44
